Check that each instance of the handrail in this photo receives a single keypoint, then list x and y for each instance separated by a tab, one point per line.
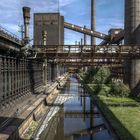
10	36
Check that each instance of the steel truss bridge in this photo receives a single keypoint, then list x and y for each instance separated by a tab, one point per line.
91	54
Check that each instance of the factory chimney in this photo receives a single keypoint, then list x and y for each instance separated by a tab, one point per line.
93	22
26	16
132	37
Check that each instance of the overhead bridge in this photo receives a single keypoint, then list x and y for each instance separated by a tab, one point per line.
88	52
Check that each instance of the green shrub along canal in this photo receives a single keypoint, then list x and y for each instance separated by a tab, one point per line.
114	100
78	118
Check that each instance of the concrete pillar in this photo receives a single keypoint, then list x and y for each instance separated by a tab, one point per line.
52	72
48	72
65	69
45	72
57	71
132	37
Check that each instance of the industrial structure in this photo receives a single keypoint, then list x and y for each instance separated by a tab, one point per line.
25	70
52	24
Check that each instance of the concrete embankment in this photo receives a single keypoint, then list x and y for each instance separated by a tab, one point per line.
32	116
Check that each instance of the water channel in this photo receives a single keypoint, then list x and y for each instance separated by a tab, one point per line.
78	117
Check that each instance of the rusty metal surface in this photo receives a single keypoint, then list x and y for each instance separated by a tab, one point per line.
88	52
115	40
19	77
85	31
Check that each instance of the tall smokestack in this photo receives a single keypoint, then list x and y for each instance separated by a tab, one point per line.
93	22
132	22
26	16
132	37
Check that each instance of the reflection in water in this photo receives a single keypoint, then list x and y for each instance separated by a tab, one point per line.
78	119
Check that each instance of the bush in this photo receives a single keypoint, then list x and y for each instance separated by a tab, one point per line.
89	76
102	83
119	89
102	76
101	89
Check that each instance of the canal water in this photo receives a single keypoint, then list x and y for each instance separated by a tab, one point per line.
78	117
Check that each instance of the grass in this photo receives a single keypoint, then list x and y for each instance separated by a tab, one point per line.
122	113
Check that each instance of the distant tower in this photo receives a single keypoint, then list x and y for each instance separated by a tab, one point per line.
93	20
132	37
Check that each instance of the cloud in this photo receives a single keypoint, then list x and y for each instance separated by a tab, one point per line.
11	14
103	25
64	3
103	2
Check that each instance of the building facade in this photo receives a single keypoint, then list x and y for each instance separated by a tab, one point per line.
52	24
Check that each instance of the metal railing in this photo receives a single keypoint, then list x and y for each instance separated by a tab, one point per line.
116	49
8	35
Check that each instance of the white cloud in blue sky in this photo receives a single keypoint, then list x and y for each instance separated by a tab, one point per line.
109	14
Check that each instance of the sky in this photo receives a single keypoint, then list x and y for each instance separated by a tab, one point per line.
109	14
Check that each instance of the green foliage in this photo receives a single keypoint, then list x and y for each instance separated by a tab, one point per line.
102	76
102	83
89	76
119	89
101	89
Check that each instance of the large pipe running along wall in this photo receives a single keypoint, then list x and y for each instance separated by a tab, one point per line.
132	37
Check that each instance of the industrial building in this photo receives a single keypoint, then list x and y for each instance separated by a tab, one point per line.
52	24
42	95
